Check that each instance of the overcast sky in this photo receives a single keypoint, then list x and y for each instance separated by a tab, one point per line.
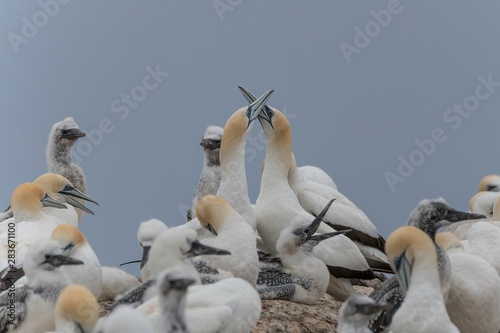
397	101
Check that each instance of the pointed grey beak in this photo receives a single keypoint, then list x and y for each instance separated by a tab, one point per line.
60	260
76	204
456	216
198	249
321	237
255	108
72	134
317	221
130	262
71	190
145	255
266	113
211	228
403	270
51	202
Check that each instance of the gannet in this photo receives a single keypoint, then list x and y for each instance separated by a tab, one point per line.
474	300
124	320
77	310
32	306
32	224
298	276
115	282
278	207
428	216
355	313
232	233
58	154
75	245
169	250
210	175
482	203
489	183
146	235
484	241
227	306
413	256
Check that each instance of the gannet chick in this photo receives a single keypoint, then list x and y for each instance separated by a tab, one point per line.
489	183
32	224
116	282
146	235
124	320
277	207
428	216
232	233
474	300
77	310
412	254
210	175
355	313
75	245
169	250
58	154
34	303
300	276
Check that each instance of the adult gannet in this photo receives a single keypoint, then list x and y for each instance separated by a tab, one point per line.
314	189
355	313
58	154
232	233
428	216
32	224
413	256
473	303
210	175
77	310
146	235
277	207
124	320
489	183
298	276
75	245
169	250
30	309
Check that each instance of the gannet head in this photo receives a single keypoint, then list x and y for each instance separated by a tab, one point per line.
66	132
489	183
146	235
212	211
212	138
404	247
179	244
59	186
447	241
46	255
28	199
69	237
76	307
174	280
358	309
430	215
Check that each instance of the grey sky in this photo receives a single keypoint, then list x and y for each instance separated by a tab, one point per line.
352	116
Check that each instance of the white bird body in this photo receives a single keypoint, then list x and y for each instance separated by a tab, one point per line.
483	202
413	256
473	302
234	234
317	175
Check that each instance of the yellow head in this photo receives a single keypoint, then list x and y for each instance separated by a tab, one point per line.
76	304
212	212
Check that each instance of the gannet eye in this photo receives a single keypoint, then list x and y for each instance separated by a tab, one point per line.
306	230
270	113
67	187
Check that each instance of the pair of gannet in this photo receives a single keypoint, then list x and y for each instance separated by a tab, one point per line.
210	175
473	302
296	275
30	308
428	216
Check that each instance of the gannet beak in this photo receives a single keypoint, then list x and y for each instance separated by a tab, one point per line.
317	221
321	237
47	201
456	216
211	228
60	260
72	134
255	108
198	248
265	114
403	271
71	190
145	255
371	308
76	204
210	144
130	262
